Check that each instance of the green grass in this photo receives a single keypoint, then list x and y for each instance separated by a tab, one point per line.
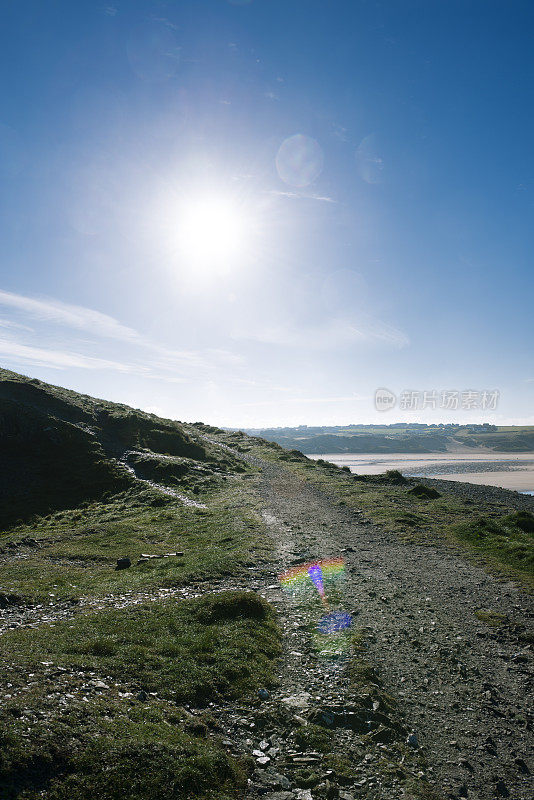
79	548
106	749
492	618
501	540
188	651
59	742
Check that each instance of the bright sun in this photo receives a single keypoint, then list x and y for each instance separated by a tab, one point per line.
212	232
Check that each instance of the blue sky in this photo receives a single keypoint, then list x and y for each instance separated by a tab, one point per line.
259	212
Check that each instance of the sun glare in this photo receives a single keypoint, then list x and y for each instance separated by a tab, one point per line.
212	232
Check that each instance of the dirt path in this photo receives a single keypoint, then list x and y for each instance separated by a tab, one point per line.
463	687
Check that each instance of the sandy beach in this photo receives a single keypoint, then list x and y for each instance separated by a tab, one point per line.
507	470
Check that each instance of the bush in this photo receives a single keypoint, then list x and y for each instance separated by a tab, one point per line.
523	519
424	492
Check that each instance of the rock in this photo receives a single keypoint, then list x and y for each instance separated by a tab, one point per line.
522	766
274	780
412	740
279	796
7	600
123	563
98	684
520	658
263	694
301	701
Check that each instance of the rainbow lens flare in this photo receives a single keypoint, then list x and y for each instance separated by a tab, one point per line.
313	574
334	622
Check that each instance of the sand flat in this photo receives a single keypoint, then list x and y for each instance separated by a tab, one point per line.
506	470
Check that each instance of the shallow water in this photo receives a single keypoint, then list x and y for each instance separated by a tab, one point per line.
507	470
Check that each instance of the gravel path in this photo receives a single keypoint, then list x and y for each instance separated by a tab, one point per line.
463	687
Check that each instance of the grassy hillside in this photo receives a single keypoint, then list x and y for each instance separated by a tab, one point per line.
107	695
60	449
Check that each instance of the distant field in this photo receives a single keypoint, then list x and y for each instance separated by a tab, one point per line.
409	438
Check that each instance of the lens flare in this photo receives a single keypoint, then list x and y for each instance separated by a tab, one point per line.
331	635
299	160
334	622
312	574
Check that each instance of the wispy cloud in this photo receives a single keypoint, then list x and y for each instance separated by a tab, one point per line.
61	359
145	356
334	333
73	316
350	398
8	323
301	196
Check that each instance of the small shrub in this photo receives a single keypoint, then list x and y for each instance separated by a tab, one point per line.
523	519
424	492
395	477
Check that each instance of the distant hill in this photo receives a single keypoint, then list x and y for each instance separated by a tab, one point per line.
400	438
60	449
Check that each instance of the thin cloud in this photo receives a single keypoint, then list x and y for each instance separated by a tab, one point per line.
301	196
62	359
330	335
73	316
7	323
105	326
302	400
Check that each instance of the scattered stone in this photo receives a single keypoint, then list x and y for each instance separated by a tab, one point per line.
147	556
502	789
412	740
301	701
7	600
522	766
